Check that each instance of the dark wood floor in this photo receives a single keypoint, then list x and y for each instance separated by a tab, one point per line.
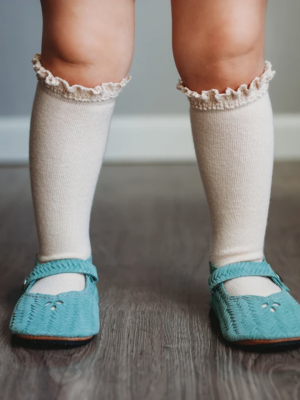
150	233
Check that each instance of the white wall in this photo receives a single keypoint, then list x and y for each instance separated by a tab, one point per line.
151	95
146	138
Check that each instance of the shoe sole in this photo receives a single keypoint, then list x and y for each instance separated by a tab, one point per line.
265	342
51	341
260	343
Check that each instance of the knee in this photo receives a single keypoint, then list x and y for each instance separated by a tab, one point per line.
87	59
218	58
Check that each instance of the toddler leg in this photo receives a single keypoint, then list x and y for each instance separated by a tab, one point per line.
87	50
219	45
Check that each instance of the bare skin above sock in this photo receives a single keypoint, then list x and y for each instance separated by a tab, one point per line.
68	135
234	141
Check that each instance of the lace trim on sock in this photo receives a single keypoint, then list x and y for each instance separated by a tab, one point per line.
102	92
213	100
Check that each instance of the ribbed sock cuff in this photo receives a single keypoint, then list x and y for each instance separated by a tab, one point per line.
213	100
105	91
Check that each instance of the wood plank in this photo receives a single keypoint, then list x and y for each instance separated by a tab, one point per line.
150	235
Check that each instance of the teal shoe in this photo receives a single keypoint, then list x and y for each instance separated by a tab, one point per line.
71	316
254	320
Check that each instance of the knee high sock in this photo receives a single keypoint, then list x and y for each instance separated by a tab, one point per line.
233	137
68	135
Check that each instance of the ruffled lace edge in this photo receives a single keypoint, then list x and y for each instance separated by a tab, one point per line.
213	100
105	91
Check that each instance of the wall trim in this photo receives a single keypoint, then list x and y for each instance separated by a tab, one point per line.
146	138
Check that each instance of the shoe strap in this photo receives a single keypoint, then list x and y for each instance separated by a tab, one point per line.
69	265
246	268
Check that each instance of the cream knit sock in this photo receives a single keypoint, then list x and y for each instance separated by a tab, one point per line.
233	137
69	129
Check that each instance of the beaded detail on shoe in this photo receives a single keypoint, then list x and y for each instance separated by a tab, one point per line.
213	100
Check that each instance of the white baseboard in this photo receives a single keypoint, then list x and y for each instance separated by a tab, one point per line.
148	138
